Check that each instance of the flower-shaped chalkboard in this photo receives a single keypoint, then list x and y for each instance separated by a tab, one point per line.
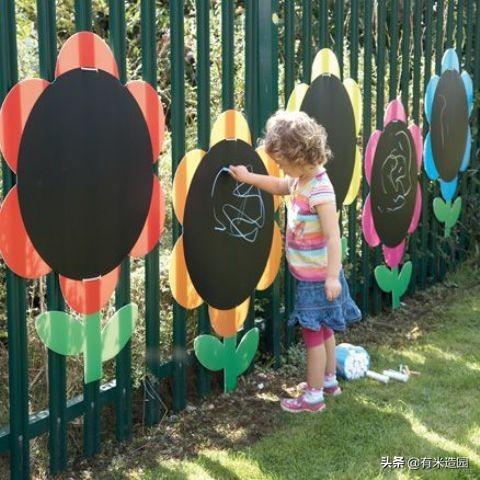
230	243
393	159
448	105
337	107
82	148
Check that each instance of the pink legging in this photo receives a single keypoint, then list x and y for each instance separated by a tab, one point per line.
314	338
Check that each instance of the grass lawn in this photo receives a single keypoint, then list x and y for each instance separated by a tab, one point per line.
245	435
434	415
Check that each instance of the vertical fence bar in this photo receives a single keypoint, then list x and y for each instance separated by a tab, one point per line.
405	89
367	129
469	59
289	42
380	98
267	105
118	37
152	265
178	150
393	54
475	116
338	16
352	209
251	103
306	40
203	140
323	20
450	24
83	15
439	35
417	52
426	217
227	55
91	422
57	394
462	190
16	308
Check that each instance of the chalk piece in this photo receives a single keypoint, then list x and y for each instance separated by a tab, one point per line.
401	377
378	376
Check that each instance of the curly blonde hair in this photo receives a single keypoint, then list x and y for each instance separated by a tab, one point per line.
296	138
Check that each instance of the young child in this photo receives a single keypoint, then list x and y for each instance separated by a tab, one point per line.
313	249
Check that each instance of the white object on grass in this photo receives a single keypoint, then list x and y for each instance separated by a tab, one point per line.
352	361
401	377
378	376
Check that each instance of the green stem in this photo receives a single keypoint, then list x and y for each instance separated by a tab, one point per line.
93	348
395	295
230	374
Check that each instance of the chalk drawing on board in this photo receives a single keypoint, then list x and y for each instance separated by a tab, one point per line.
232	218
395	175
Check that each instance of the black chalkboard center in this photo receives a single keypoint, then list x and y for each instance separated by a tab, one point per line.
85	173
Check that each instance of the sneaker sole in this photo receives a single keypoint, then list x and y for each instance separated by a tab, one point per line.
286	409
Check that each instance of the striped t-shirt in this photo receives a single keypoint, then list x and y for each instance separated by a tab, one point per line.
306	246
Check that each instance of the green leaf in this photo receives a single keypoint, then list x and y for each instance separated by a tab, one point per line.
210	352
440	209
452	216
246	351
404	278
385	278
118	331
61	332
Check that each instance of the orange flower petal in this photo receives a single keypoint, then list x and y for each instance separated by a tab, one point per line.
86	50
180	282
230	125
227	322
183	178
16	247
274	261
152	109
153	228
91	295
14	114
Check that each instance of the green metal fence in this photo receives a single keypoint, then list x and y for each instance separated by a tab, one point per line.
389	47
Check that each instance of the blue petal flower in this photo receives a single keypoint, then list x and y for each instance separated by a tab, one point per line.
450	60
428	160
448	189
467	82
429	96
467	153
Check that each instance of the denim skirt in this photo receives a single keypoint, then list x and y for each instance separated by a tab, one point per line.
312	310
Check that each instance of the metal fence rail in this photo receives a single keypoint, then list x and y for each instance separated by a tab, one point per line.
389	47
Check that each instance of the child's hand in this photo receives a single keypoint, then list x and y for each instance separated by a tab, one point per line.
240	173
333	288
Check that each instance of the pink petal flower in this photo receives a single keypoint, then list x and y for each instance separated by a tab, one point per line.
394	111
416	133
393	256
369	230
417	211
370	153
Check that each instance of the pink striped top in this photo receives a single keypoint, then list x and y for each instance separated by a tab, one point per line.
306	246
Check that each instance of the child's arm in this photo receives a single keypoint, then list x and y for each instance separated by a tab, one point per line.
327	214
273	185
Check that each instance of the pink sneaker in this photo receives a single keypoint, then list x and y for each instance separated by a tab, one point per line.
296	405
332	391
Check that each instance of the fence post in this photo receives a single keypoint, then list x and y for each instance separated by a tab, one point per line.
123	372
16	309
56	363
203	139
152	265
267	92
178	150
